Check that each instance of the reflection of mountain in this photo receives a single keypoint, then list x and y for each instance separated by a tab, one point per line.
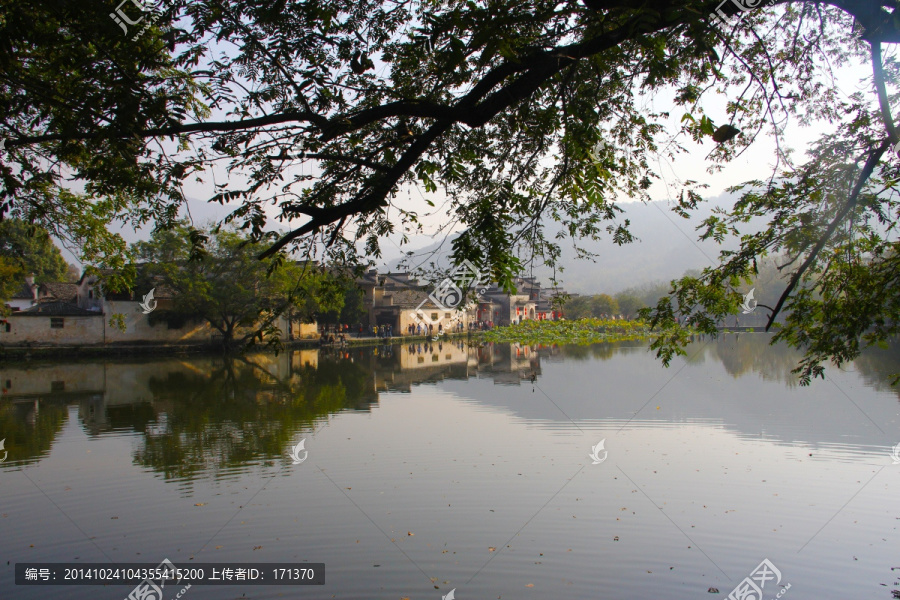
738	381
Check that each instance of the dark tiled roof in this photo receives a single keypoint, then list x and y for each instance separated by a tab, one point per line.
57	309
408	298
24	293
63	292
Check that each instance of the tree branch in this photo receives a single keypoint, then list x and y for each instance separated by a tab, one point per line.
867	170
884	104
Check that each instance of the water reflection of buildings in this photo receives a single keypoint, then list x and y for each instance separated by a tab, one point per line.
398	368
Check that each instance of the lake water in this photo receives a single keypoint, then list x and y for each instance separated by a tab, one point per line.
443	467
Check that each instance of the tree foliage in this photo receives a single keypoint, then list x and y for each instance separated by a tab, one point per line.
27	249
598	306
629	304
498	105
227	286
32	250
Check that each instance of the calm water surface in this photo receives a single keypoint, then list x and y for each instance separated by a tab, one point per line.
441	467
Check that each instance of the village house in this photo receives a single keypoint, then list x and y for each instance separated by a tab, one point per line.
83	314
394	299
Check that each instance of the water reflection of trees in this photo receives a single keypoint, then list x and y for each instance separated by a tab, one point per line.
742	353
243	411
879	366
603	351
29	429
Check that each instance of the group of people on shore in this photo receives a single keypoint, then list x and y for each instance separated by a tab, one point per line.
332	339
422	329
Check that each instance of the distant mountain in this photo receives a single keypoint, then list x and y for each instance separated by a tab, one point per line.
667	246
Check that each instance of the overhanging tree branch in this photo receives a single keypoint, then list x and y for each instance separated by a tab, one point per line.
868	168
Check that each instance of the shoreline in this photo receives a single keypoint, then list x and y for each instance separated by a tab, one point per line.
24	353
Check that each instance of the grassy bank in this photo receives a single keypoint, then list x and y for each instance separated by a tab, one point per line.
583	331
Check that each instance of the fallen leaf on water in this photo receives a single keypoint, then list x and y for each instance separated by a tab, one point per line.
491	549
257	547
218	547
530	585
200	504
410	533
